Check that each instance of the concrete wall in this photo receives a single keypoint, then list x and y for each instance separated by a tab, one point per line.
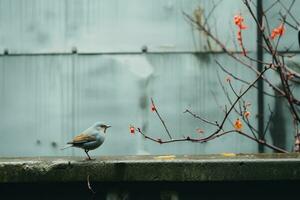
151	177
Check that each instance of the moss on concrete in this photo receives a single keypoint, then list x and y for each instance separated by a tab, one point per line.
149	168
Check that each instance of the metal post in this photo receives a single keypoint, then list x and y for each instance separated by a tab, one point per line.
260	84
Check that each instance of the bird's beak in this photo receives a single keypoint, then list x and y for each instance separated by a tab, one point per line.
108	126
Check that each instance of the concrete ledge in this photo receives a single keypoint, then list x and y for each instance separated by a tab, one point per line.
227	167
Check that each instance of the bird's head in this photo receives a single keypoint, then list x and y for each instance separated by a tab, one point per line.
100	126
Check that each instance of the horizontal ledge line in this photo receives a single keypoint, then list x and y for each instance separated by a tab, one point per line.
131	53
116	53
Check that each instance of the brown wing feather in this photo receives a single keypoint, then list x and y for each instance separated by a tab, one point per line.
82	138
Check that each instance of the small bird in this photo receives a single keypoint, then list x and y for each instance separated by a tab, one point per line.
90	139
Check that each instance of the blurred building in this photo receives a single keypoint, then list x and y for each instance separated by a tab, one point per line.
66	64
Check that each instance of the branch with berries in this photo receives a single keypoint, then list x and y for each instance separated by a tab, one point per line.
238	105
238	125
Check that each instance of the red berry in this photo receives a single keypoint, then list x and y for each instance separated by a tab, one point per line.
132	129
153	108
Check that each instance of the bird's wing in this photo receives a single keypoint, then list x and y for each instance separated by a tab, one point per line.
82	138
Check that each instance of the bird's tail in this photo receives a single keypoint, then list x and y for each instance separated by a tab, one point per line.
67	146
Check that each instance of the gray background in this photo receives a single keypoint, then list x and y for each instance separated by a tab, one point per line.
49	94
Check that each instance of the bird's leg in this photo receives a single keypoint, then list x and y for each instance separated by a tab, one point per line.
86	151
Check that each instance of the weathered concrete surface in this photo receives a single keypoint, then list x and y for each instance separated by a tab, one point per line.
226	167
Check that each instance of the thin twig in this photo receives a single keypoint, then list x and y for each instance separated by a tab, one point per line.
161	119
233	90
225	92
271	6
268	123
200	118
241	80
289	12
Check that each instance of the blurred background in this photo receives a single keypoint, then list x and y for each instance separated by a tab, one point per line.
66	64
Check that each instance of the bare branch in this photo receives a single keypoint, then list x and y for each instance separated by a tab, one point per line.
206	139
160	118
201	118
